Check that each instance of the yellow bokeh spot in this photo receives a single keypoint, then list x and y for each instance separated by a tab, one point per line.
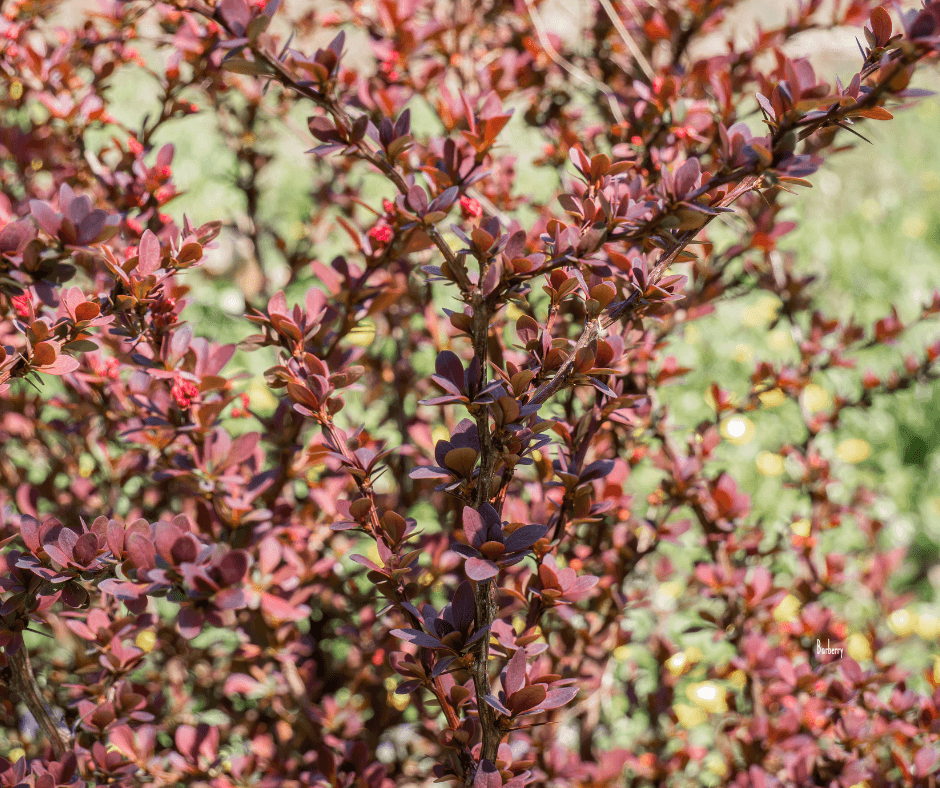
936	669
858	647
927	626
513	312
853	450
86	465
760	314
363	333
930	181
738	679
738	430
742	353
692	335
400	702
678	663
623	653
772	398
787	609
16	90
769	464
802	527
870	209
694	654
913	226
146	640
689	716
716	765
670	590
440	433
15	754
815	398
780	340
709	696
901	622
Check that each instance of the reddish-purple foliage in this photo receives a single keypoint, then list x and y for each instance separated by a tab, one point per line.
199	562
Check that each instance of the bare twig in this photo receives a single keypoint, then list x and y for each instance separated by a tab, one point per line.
622	31
572	69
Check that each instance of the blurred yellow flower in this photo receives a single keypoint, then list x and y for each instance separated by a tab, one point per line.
769	464
901	622
787	609
858	647
708	695
146	640
802	527
689	716
853	450
772	398
815	398
716	765
738	430
927	626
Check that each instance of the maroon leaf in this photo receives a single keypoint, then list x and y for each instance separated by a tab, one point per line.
487	776
122	739
527	698
417	637
515	672
463	607
29	528
473	527
141	551
493	701
523	538
234	566
478	569
557	697
86	549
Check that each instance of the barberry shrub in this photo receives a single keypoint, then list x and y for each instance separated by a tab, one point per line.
456	532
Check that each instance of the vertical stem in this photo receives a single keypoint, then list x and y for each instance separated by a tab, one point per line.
486	606
23	685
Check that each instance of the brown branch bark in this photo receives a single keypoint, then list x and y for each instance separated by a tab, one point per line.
23	686
485	592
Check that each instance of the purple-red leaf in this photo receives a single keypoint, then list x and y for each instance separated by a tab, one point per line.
515	672
557	697
479	569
